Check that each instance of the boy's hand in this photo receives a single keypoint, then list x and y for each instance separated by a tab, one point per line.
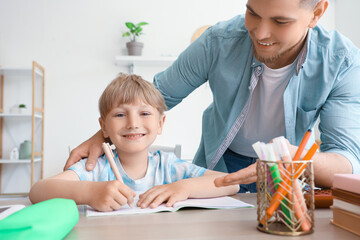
169	193
110	195
91	149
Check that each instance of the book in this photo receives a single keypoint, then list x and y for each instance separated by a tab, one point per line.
346	220
208	203
346	206
346	196
347	182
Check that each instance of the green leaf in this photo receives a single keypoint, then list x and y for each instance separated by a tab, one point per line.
127	34
142	24
130	25
138	29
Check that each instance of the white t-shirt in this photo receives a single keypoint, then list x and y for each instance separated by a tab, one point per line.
265	119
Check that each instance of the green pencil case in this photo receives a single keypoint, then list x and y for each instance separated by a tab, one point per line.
51	219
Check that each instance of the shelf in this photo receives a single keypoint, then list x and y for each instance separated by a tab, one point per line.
6	115
4	161
12	71
146	61
15	123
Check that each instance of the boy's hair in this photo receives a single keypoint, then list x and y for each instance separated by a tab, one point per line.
127	89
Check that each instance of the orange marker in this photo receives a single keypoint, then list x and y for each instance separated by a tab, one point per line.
284	188
302	146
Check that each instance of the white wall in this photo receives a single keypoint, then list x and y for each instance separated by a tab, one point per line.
77	42
347	19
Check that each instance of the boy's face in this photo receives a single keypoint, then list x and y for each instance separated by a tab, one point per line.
132	127
278	29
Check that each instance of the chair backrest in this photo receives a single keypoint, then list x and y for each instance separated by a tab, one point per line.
176	149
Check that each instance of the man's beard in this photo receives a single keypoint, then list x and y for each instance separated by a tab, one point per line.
268	60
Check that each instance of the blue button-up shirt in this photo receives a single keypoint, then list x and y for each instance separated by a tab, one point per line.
326	85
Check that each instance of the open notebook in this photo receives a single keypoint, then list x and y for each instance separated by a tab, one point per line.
210	203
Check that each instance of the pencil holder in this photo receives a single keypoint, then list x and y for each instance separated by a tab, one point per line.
282	208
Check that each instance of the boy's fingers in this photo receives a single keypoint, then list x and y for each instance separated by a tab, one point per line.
159	200
126	192
116	205
148	197
129	195
171	201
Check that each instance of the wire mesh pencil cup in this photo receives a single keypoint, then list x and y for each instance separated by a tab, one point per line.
282	208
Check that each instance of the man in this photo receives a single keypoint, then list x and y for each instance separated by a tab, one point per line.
272	72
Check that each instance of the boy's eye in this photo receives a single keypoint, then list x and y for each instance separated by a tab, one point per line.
145	114
120	115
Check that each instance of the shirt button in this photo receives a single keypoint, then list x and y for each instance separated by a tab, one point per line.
259	68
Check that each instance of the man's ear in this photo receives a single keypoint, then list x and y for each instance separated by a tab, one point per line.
103	127
318	11
161	123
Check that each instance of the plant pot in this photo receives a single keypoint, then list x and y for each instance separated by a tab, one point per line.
134	48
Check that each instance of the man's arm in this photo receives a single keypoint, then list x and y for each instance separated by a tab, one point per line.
325	166
328	164
199	187
91	149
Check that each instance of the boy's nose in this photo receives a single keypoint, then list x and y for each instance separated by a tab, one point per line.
133	122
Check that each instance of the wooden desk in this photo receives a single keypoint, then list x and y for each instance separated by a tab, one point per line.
192	224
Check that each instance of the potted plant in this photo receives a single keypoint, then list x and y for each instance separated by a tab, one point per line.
135	30
18	109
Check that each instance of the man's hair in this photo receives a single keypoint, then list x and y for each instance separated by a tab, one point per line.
127	89
311	4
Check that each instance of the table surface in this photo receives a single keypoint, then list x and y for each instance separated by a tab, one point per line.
191	224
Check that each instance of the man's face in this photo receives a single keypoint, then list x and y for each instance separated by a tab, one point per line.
278	30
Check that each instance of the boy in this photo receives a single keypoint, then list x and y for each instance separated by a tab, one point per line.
132	115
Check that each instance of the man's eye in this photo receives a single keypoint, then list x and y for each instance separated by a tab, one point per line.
280	22
251	12
145	114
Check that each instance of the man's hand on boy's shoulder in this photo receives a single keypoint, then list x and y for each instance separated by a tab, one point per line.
169	193
90	149
109	195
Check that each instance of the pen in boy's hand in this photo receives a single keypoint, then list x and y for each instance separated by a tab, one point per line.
110	157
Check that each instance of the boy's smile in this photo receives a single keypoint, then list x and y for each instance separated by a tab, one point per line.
133	136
